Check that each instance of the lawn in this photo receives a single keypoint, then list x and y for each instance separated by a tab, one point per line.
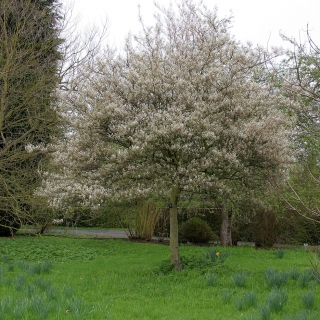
64	278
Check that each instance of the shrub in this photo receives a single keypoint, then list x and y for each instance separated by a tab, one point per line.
146	217
142	219
265	229
8	224
196	230
192	262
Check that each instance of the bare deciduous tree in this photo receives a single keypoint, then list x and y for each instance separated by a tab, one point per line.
299	75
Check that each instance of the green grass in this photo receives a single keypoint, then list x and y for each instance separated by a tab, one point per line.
64	278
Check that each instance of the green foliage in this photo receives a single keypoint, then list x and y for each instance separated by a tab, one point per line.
265	312
196	230
192	262
277	299
295	229
304	279
212	279
265	229
34	250
247	300
201	263
279	253
308	299
239	303
276	279
293	274
301	315
226	295
33	296
239	279
250	299
29	59
120	273
215	255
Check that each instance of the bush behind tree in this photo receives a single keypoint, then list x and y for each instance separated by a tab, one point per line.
196	230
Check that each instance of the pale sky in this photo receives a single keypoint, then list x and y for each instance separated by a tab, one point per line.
258	21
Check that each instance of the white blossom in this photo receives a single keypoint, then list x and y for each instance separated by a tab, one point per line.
184	104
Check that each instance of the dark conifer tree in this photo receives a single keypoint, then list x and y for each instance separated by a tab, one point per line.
29	59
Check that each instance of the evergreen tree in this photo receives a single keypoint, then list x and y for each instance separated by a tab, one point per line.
29	58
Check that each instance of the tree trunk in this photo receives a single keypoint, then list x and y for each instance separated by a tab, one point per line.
225	231
174	236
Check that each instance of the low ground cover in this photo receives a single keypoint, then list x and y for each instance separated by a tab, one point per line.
63	278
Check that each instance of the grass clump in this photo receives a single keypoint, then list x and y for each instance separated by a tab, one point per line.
250	299
212	280
6	258
247	300
36	268
40	268
304	279
308	299
29	290
40	307
265	312
293	274
279	253
239	279
20	282
226	295
239	303
4	305
10	266
301	315
276	279
23	265
277	299
215	255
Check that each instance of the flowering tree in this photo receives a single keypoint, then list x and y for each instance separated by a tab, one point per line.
184	108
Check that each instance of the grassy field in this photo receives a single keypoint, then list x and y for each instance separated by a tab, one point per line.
62	278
